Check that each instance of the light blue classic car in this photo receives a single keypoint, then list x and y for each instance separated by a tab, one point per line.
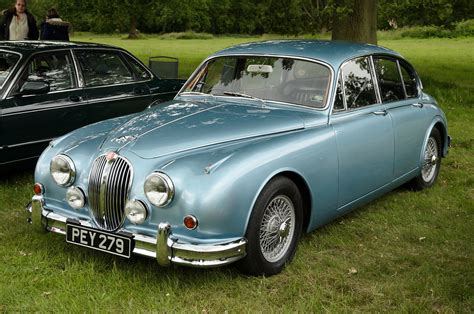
264	141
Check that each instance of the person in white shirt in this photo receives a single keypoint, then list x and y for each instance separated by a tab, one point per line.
18	23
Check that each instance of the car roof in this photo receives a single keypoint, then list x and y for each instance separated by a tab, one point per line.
329	51
30	46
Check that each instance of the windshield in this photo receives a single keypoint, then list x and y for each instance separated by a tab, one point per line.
7	62
270	78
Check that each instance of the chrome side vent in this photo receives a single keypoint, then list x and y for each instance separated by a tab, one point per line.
109	183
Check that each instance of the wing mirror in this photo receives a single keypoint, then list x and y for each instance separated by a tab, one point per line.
34	88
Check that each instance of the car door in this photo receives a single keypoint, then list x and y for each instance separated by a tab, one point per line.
30	121
110	84
399	90
363	132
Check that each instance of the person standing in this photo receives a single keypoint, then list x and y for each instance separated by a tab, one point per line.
54	28
18	23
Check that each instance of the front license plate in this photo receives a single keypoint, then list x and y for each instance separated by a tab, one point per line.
99	240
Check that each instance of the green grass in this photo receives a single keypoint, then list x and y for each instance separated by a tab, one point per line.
413	252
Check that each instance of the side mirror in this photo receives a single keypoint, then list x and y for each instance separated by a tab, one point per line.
34	88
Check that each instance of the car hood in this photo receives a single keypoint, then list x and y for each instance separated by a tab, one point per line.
183	125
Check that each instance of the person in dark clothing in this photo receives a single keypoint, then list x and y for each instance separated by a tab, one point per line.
18	24
54	28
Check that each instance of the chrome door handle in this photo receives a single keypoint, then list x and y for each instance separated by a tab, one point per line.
418	105
380	113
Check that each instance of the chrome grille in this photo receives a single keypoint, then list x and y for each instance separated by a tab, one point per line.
109	182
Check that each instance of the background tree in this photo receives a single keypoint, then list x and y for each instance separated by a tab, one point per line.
355	20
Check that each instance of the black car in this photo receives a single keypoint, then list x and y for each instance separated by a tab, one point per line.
51	88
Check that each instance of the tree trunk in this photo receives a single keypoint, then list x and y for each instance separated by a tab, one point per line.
360	25
133	28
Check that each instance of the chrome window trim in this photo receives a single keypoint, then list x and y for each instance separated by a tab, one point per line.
401	78
22	68
375	80
14	67
142	65
320	62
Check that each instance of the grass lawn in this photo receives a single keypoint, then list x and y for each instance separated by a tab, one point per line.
410	252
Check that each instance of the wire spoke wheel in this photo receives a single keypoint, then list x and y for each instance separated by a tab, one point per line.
277	228
431	157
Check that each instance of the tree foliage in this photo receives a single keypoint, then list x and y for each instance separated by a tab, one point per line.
289	17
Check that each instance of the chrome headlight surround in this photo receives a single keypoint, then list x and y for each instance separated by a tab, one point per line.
63	170
159	189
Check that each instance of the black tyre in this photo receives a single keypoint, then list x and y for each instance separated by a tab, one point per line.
431	162
274	228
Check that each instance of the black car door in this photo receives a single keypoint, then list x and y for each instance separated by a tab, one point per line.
111	85
30	121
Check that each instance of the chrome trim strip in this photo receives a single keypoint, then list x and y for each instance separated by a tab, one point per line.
164	248
27	143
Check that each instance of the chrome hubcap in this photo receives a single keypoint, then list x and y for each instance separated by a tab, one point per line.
277	229
430	160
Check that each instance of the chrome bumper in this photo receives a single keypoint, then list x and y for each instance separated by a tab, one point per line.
163	248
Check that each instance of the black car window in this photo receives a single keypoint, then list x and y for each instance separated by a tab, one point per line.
140	71
410	80
56	68
358	85
7	62
101	67
339	101
390	83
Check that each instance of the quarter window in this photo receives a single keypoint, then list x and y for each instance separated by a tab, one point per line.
358	85
142	73
103	68
410	80
390	83
56	68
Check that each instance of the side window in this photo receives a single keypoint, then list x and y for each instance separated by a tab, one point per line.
358	85
410	80
140	71
390	83
338	101
101	67
56	68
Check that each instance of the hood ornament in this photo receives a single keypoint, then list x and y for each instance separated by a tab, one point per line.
111	156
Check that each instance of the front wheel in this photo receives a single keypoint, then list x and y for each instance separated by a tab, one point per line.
274	228
431	162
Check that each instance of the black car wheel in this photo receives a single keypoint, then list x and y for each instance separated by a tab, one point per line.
431	162
274	228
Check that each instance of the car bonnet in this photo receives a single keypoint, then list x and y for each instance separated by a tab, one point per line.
185	125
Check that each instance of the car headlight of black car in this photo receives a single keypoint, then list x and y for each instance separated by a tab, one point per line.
159	189
62	170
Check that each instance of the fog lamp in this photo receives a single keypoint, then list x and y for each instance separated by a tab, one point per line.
136	212
190	222
38	188
75	197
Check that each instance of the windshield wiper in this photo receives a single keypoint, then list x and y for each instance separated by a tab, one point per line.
237	94
195	93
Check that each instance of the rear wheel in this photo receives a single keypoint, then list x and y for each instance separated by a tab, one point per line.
431	162
274	228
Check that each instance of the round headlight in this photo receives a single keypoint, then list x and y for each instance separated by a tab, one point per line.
75	197
62	170
136	212
159	189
